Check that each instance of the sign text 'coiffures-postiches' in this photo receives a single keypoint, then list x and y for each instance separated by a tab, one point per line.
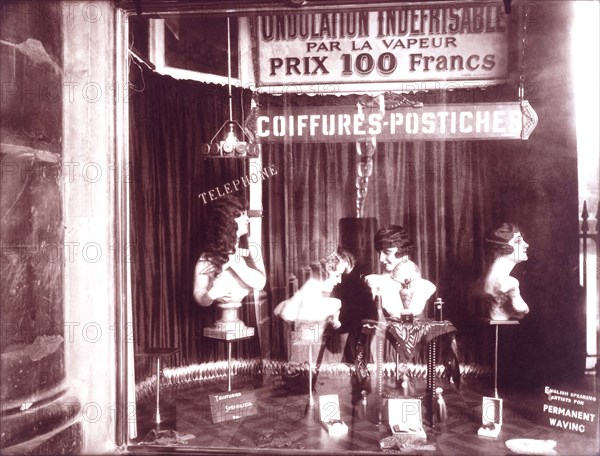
511	120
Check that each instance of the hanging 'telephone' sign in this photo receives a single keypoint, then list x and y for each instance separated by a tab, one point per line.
427	42
512	120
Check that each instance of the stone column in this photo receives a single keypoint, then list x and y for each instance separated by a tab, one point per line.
90	216
40	414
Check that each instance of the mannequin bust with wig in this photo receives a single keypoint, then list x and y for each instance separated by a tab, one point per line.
401	287
223	274
504	247
312	302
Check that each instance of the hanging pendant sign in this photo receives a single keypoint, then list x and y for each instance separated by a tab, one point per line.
511	120
432	44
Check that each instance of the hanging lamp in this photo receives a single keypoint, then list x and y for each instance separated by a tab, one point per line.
231	146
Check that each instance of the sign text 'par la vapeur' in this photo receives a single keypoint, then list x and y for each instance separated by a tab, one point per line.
406	43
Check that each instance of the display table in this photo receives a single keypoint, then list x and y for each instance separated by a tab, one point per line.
406	337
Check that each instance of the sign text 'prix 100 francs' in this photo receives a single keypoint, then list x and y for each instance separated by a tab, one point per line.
403	43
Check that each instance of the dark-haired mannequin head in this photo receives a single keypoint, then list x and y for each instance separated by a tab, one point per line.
227	223
394	246
505	241
224	273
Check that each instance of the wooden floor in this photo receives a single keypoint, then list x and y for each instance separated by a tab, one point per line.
285	422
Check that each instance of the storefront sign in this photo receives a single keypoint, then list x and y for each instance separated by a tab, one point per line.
354	123
571	411
408	43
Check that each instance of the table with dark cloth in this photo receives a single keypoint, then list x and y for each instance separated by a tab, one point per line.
407	338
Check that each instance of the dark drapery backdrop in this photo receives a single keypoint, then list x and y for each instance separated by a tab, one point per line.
445	193
425	187
439	191
170	119
434	189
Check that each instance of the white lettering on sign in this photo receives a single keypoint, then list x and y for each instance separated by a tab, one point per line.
425	42
229	408
421	123
567	425
574	413
226	396
580	415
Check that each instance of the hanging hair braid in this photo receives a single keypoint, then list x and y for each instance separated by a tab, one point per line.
221	233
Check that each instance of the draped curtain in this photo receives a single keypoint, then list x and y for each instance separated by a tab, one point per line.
439	191
445	193
170	119
436	190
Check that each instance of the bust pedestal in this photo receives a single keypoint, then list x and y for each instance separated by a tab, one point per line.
309	333
491	419
229	327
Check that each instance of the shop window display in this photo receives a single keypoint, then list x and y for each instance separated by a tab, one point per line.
349	355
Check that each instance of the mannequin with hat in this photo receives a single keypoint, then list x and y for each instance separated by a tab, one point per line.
401	287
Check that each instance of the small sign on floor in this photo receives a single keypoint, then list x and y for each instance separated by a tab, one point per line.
232	405
491	417
405	419
329	408
572	411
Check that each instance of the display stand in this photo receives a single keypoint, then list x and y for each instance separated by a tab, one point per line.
435	402
158	353
229	328
309	333
311	399
380	335
491	409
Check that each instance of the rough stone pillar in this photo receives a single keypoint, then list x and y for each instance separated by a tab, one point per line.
40	414
57	221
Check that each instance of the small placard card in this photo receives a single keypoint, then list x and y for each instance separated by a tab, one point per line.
491	411
405	417
329	408
232	405
571	411
491	417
